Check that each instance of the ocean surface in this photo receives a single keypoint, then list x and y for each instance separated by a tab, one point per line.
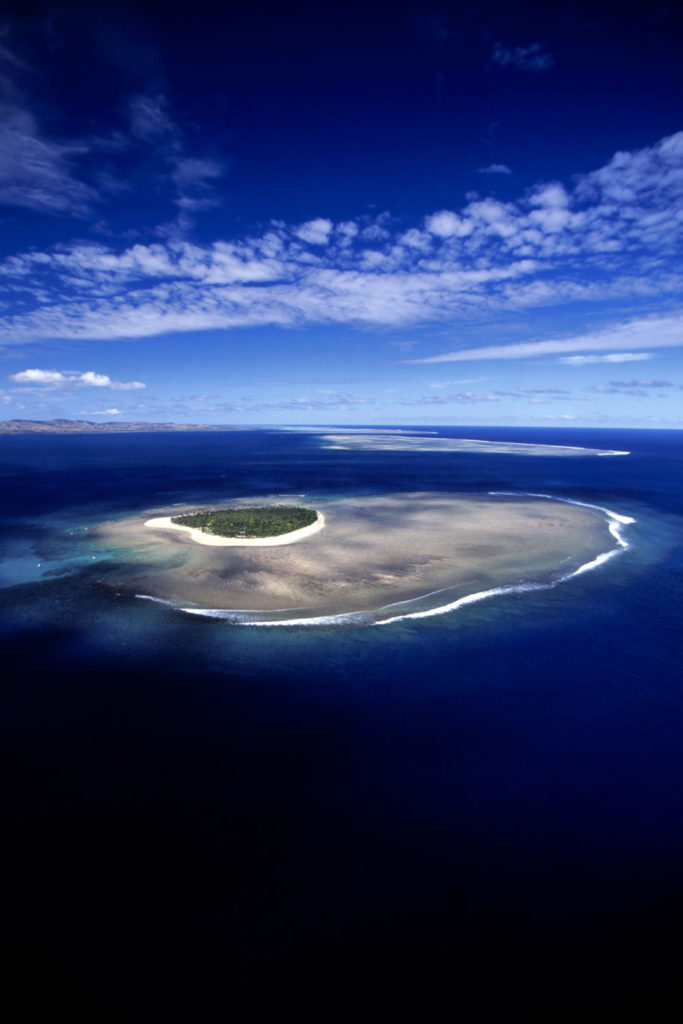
212	821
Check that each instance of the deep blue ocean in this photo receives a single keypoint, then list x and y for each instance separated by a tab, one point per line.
208	821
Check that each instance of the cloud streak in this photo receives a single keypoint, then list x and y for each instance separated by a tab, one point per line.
655	332
611	357
36	172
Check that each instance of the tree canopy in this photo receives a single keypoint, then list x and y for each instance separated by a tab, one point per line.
251	522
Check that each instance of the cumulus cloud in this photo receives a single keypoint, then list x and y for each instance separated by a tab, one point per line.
70	377
315	232
446	224
38	377
526	58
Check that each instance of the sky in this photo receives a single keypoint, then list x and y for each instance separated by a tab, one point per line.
379	213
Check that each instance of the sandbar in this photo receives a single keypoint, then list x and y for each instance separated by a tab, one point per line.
418	442
374	552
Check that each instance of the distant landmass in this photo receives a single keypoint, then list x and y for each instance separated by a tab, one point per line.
88	427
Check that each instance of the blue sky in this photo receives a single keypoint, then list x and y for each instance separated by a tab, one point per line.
388	213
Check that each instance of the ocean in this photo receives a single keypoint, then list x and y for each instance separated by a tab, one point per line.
212	821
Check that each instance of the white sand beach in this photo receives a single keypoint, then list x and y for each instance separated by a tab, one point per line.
200	537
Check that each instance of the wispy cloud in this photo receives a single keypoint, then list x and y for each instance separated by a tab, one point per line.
524	392
337	402
458	397
640	382
495	169
611	357
150	120
72	378
43	172
655	331
37	171
526	58
193	178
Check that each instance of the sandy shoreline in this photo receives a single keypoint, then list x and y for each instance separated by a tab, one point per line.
374	551
200	537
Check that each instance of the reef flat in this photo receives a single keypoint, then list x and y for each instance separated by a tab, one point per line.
374	552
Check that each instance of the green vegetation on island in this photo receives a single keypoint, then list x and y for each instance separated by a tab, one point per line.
257	521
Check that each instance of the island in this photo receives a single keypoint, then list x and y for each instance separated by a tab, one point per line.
378	557
64	426
244	526
253	521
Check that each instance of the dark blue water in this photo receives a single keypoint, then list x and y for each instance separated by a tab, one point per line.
212	820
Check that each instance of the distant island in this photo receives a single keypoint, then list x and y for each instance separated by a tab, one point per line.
88	427
255	521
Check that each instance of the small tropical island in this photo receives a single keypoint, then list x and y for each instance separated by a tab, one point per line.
252	522
243	525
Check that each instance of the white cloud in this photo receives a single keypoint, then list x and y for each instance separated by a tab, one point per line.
445	224
70	377
630	177
315	232
38	377
495	169
611	357
97	380
553	245
553	194
526	58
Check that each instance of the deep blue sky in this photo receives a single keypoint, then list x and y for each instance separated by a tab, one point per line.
405	212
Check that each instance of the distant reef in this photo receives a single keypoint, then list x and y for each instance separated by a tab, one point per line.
88	427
